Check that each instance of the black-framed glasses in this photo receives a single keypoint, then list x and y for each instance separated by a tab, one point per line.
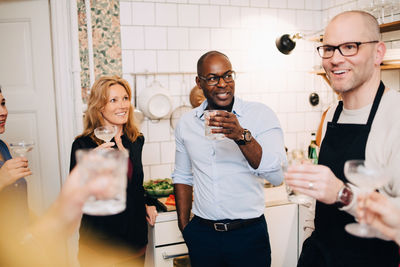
347	49
214	79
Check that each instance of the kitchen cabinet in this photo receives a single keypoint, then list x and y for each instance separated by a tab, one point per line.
166	241
283	232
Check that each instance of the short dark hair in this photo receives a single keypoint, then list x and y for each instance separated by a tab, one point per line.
203	58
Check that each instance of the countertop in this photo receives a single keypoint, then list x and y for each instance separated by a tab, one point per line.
274	196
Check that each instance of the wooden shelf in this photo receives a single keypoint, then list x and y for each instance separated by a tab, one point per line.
388	27
322	73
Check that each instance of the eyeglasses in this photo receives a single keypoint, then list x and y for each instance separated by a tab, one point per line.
346	49
214	79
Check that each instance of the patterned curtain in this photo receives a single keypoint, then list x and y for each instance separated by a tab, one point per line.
106	34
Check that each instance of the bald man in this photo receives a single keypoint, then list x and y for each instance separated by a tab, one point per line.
364	125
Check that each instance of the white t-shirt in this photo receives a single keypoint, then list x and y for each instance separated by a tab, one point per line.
382	149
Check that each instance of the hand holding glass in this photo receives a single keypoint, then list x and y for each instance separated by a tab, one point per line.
367	178
105	133
109	165
208	129
296	157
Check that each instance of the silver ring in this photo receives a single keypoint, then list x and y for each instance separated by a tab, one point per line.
310	185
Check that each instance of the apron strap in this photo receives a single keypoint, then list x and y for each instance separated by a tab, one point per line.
374	107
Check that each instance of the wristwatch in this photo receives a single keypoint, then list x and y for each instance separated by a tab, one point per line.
344	197
246	138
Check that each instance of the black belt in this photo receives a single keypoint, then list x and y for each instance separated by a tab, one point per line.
221	226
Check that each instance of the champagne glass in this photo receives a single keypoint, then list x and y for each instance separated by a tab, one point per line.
21	148
105	133
296	157
367	178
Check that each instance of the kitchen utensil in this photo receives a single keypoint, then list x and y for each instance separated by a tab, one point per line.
179	111
196	96
155	101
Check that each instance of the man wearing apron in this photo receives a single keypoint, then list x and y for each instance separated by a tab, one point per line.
361	127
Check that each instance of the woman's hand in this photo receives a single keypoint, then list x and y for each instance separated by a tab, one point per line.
118	140
151	214
106	145
12	170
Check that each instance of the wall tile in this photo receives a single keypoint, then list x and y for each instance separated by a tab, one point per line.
278	3
290	141
296	122
305	20
391	78
125	14
287	19
295	81
221	39
128	64
151	153
240	2
143	13
199	1
178	38
145	61
167	61
155	38
259	3
230	17
188	15
219	2
166	14
199	38
132	37
312	120
159	130
287	102
313	4
296	4
188	60
146	173
160	171
168	152
209	16
250	17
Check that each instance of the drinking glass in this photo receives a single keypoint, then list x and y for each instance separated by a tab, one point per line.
105	133
296	157
209	134
367	178
109	166
21	148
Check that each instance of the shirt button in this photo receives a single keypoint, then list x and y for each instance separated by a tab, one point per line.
213	152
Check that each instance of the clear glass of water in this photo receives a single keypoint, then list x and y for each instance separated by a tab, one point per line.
21	148
105	133
110	165
209	134
367	178
296	157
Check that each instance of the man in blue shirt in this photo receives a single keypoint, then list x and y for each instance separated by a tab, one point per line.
226	176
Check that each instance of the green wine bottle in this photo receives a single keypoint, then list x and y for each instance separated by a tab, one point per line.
313	150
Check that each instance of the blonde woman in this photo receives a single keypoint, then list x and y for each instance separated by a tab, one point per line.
107	240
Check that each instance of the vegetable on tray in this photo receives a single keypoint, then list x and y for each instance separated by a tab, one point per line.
159	187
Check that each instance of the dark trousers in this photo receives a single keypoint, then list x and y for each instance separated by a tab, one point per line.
246	246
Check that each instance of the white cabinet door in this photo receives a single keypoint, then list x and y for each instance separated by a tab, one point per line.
282	224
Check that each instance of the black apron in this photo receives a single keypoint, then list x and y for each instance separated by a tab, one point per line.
330	244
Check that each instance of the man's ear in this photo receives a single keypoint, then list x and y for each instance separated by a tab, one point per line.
380	53
198	82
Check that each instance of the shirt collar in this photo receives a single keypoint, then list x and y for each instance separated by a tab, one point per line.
237	108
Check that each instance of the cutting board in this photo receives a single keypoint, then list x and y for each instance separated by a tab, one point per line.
166	207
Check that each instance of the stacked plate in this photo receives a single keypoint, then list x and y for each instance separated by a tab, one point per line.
392	56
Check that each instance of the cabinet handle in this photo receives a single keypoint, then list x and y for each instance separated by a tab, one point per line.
166	256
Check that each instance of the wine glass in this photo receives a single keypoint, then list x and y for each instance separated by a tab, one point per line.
296	157
367	178
105	133
21	147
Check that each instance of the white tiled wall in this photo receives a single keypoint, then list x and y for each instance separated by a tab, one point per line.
170	35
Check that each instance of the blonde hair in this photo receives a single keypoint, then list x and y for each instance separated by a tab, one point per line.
97	100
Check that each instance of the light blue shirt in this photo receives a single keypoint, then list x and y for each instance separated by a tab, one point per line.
225	186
